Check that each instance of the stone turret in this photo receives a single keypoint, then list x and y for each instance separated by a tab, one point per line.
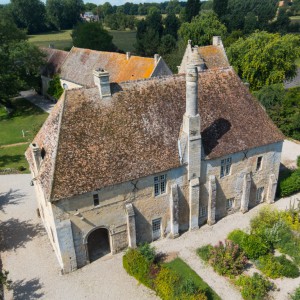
101	80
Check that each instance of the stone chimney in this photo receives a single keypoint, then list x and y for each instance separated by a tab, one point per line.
37	157
196	60
217	41
156	58
191	91
128	55
101	79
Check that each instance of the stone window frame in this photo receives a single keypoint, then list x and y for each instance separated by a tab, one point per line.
259	163
203	211
225	169
260	193
96	199
230	203
160	184
156	225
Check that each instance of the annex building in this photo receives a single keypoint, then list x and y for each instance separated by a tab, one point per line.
117	164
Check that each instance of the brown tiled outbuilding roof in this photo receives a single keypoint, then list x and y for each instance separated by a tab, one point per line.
135	133
54	59
80	63
213	56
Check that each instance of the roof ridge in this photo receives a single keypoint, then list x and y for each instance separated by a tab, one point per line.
56	145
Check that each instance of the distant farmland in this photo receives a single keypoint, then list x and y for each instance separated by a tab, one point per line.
124	40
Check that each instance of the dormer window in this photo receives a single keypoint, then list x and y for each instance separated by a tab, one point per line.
259	163
225	167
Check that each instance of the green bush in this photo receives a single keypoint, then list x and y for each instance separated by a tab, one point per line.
237	236
254	247
298	161
228	259
205	252
147	251
55	89
276	267
166	283
290	185
255	287
190	291
296	294
137	266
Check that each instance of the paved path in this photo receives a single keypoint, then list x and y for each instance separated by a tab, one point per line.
38	100
290	152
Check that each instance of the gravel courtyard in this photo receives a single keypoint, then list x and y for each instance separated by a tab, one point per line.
33	267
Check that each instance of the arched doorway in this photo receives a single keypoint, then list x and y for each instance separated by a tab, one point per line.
98	244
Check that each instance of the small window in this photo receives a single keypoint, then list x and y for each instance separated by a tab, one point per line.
203	211
225	167
230	203
156	229
96	199
259	163
160	184
259	194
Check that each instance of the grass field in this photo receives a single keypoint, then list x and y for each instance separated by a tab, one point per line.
185	272
13	158
124	40
26	117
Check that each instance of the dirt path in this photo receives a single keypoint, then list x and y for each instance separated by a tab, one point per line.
12	145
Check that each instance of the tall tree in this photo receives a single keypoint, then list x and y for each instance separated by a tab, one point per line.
202	28
92	36
264	58
172	25
220	7
29	15
191	10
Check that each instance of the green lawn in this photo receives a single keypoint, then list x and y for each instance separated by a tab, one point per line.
26	117
62	39
13	158
184	271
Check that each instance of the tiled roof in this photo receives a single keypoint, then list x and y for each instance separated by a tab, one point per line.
54	59
80	63
135	134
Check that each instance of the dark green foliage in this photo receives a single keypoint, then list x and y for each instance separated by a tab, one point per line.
255	287
172	24
147	251
55	89
191	10
137	266
237	236
296	294
92	36
276	267
173	59
4	281
119	21
289	185
228	259
220	7
205	252
298	161
254	246
167	44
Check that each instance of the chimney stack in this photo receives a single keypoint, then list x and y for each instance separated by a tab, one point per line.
128	55
191	91
156	58
101	79
217	41
36	151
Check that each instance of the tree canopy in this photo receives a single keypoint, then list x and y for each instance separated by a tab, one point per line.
202	28
92	36
265	58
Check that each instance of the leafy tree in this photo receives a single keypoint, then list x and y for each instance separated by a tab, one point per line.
29	15
92	36
55	14
202	28
265	58
172	25
167	44
55	89
173	7
220	7
20	61
191	10
90	6
282	22
207	5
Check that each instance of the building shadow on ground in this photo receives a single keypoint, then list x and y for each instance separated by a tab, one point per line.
23	290
12	197
15	233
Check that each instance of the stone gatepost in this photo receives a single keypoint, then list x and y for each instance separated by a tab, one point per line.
246	193
212	200
66	246
194	191
131	231
174	205
271	189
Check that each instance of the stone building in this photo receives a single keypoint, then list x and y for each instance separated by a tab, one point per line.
119	164
74	67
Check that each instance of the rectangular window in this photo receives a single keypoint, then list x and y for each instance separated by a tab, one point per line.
96	199
225	167
230	203
259	163
203	211
160	184
259	194
156	229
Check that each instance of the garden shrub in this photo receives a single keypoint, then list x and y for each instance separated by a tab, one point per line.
190	291
289	185
147	251
296	294
292	218
237	236
205	252
228	259
255	287
298	161
137	266
55	89
275	267
254	247
166	283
